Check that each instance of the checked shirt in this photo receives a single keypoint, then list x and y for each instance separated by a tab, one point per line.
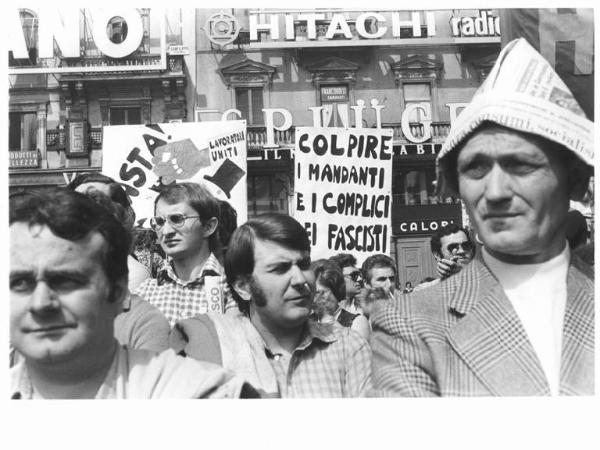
178	299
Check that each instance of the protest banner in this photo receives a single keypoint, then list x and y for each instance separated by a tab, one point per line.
144	157
343	189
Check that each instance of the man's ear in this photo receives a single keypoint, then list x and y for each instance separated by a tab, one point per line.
242	288
210	226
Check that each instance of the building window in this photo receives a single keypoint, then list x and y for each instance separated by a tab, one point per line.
416	93
23	128
116	30
249	100
266	193
417	186
125	116
331	96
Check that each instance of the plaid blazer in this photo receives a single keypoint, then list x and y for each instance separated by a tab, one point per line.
462	337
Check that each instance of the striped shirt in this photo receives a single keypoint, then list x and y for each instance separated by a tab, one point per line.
178	299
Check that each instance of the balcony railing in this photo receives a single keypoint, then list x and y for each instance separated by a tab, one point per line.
56	139
257	135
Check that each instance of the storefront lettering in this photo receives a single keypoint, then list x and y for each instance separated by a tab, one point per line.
368	25
61	28
484	25
270	114
423	226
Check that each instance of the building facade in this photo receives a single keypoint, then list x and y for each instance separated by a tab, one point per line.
411	71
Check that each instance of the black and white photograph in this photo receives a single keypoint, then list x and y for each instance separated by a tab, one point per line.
359	207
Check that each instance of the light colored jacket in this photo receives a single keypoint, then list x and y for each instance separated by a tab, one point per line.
462	337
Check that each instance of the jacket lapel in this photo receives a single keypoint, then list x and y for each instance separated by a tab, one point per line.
490	338
577	358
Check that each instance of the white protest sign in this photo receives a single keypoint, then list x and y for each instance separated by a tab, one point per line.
343	184
142	157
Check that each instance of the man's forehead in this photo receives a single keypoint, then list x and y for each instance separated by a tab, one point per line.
459	236
182	206
382	271
504	142
349	269
266	251
36	239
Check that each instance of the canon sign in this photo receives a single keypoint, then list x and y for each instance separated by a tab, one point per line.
63	30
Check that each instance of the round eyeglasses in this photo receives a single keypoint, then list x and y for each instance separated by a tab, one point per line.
175	220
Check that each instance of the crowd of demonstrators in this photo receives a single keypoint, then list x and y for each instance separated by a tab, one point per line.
261	320
272	342
191	280
519	319
452	249
68	280
330	291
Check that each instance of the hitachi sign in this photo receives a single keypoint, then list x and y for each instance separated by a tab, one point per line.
339	26
62	27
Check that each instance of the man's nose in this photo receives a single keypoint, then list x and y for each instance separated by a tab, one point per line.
498	185
43	299
167	229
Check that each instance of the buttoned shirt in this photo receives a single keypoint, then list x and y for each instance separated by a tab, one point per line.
178	299
330	361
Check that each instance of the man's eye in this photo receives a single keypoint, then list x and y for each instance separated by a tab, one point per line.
22	284
519	167
475	169
65	284
281	268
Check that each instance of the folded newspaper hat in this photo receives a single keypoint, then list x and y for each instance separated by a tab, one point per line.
523	92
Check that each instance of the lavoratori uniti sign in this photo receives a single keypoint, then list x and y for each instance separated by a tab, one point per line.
51	40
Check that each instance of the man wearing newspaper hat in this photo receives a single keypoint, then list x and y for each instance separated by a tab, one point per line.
519	320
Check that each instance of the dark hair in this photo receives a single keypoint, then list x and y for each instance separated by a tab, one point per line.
436	237
72	216
200	199
378	260
239	259
330	275
116	192
344	260
227	222
577	229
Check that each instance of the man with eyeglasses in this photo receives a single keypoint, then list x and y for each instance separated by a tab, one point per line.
191	280
453	249
353	280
